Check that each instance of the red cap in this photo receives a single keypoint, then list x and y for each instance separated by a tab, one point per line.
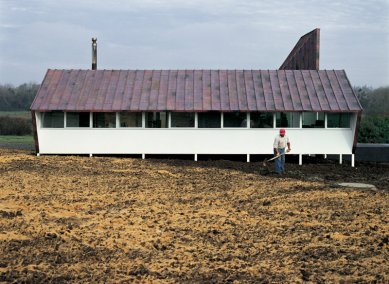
282	131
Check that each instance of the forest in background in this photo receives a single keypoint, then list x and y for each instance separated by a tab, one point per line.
374	126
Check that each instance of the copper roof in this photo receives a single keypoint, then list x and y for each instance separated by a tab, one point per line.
196	90
305	54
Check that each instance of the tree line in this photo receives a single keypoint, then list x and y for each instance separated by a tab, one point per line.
374	127
17	98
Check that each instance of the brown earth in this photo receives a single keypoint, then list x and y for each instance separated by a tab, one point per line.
110	219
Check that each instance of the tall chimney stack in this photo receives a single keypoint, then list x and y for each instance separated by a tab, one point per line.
94	53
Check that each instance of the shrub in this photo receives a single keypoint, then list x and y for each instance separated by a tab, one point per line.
374	129
15	126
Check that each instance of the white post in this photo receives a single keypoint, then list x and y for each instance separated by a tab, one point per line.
222	120
91	120
301	120
90	155
169	120
352	160
300	159
117	120
274	120
143	156
64	117
248	158
196	120
38	154
340	159
195	157
325	120
248	120
325	156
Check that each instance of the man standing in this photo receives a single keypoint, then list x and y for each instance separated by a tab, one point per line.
279	145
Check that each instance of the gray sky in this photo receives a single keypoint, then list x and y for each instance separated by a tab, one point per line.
191	34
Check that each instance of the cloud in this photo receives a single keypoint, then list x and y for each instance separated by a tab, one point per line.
190	34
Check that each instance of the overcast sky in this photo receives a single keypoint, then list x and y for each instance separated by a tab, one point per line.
36	35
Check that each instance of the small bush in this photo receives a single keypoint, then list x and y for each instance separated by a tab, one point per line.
15	126
374	129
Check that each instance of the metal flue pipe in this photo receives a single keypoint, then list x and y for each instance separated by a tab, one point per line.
94	53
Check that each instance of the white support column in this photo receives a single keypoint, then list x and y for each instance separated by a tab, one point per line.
248	120
169	119
143	156
38	154
301	120
143	120
91	120
352	160
117	120
325	120
90	155
196	120
195	157
248	158
340	159
64	118
300	159
222	120
325	156
274	120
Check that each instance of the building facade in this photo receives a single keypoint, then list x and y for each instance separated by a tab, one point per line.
198	111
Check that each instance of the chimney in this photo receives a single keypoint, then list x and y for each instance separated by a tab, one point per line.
94	53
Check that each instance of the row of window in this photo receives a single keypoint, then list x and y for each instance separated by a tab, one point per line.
56	119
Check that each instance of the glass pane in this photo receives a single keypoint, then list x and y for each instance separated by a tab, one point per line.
182	119
77	119
235	119
338	120
209	119
130	119
156	119
288	119
104	120
313	119
261	120
53	119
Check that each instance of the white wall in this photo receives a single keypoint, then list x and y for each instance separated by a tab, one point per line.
190	141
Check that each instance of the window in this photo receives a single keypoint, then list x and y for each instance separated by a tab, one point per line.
77	119
54	119
156	120
261	120
288	119
313	119
104	120
338	120
209	120
182	119
130	119
235	119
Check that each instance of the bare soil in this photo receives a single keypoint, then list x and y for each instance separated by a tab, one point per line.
111	219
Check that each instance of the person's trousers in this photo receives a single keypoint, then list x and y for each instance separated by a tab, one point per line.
280	162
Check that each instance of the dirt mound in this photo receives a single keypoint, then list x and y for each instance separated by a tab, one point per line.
106	219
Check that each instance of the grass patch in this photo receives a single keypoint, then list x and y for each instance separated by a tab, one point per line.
28	139
23	114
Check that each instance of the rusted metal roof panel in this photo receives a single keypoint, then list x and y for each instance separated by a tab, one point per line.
232	90
189	90
196	90
224	97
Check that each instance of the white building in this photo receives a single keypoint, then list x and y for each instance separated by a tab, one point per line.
194	112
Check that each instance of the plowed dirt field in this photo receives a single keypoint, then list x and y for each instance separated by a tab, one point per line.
110	219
